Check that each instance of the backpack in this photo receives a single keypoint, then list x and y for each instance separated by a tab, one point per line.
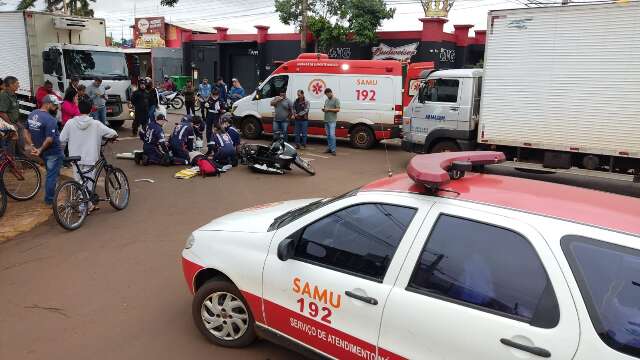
207	167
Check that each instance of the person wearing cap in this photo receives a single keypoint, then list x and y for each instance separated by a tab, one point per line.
155	149
98	94
43	128
181	140
204	91
236	92
84	137
140	103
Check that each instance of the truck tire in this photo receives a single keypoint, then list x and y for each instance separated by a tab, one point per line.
362	137
251	128
445	146
116	124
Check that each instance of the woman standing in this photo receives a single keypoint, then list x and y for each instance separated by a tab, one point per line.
69	108
301	116
190	98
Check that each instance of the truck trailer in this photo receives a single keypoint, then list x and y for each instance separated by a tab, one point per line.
40	46
560	88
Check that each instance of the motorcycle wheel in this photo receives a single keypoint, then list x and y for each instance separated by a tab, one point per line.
177	103
304	165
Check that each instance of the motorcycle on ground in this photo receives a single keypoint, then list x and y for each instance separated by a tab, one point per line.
273	159
171	99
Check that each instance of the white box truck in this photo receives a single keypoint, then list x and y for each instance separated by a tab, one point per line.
560	87
39	46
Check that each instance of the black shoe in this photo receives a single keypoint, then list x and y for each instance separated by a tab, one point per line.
327	151
333	153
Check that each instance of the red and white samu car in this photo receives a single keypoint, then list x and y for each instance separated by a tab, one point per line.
431	264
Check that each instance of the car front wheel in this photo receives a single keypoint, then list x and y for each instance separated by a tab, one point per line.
222	314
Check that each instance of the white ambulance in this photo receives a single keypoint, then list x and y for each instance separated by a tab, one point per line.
370	94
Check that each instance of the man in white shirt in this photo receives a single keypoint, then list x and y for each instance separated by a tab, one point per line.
84	136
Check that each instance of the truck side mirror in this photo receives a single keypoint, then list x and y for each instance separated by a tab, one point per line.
286	249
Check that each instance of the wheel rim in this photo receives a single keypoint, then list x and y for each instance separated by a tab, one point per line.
118	189
71	205
362	138
249	128
21	180
224	316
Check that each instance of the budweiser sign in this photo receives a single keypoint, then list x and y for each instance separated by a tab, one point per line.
401	53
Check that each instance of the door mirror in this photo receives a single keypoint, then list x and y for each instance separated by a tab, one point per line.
286	249
52	62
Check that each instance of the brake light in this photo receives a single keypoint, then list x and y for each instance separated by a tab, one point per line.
397	117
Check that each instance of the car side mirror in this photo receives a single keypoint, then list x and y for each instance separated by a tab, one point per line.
286	249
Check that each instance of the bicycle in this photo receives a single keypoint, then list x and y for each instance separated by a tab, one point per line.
3	201
20	177
73	200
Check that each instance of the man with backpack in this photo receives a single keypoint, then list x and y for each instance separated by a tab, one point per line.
181	140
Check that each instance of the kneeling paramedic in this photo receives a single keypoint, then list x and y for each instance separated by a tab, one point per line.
222	147
155	147
182	140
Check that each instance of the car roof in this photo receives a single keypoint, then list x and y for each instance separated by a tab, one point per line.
586	206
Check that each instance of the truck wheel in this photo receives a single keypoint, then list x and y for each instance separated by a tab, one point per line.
222	314
362	137
445	146
251	128
116	124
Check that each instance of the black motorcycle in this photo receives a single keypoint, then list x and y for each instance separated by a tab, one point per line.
273	159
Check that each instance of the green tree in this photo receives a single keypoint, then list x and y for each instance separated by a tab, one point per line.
74	7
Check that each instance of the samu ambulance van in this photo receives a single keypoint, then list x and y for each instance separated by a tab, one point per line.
370	94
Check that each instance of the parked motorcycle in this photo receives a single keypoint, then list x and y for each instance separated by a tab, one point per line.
171	99
273	159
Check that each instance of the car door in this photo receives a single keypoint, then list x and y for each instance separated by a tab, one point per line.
330	295
437	106
479	286
265	94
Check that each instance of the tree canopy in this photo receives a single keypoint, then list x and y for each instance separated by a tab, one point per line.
75	7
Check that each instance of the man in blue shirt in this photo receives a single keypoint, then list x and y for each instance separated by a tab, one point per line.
182	139
204	90
43	127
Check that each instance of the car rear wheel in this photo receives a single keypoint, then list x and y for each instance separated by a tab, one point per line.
445	146
222	314
251	128
362	137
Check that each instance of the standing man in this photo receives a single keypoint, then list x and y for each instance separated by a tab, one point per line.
140	104
189	93
331	109
43	127
222	89
10	113
204	91
98	95
301	116
215	109
284	111
152	96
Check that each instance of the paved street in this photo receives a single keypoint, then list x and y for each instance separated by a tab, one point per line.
114	289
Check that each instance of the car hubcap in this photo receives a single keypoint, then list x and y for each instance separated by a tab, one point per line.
225	316
362	138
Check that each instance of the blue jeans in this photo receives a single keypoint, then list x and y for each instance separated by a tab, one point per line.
152	113
53	164
330	128
100	114
300	130
282	127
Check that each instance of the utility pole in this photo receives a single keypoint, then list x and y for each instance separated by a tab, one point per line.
64	7
303	27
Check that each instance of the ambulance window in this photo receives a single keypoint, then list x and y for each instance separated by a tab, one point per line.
274	86
459	263
440	90
608	277
358	240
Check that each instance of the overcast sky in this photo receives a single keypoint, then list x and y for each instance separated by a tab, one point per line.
241	15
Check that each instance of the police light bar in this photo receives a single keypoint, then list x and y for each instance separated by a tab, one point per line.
434	170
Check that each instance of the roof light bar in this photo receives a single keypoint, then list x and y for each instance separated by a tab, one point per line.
434	170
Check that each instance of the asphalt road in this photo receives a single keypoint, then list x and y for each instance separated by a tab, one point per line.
114	289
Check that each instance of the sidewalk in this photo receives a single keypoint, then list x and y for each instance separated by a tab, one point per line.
23	216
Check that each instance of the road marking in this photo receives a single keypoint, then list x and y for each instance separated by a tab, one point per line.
316	155
128	138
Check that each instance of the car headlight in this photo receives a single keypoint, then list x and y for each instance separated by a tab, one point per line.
190	241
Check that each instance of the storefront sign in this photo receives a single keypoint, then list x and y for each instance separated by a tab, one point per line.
340	53
400	53
149	32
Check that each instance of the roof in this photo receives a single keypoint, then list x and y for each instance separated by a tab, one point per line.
309	63
458	73
591	207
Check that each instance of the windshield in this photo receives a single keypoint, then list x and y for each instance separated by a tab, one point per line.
297	213
88	64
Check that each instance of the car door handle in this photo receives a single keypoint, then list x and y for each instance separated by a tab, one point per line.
454	108
367	299
530	349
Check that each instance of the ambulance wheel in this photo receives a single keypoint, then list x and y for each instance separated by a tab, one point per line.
251	128
445	146
362	137
222	314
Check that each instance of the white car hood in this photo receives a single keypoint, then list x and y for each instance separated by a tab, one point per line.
255	219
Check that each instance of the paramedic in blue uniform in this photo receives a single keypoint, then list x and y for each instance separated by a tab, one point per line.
182	139
231	130
155	147
224	152
214	111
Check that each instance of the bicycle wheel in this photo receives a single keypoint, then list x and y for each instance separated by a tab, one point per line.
70	205
116	186
21	179
3	201
177	103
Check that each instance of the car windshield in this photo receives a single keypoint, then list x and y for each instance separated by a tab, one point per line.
297	213
88	64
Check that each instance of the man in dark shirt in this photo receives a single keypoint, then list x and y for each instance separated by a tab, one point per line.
140	103
43	127
9	112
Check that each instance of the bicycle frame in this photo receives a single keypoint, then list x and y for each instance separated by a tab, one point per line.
7	159
85	180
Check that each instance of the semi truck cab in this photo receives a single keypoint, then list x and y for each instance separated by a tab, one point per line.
444	115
